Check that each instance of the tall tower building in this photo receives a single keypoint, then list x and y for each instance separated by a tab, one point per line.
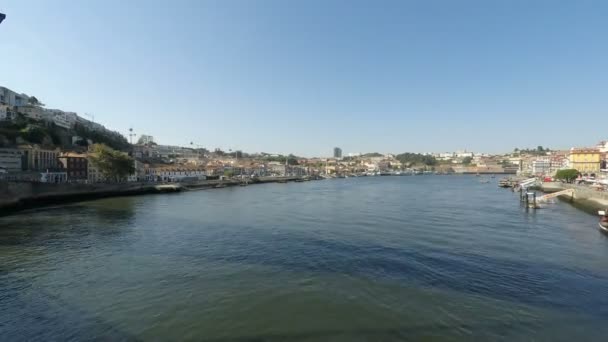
337	152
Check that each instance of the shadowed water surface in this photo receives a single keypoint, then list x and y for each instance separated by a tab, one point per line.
365	259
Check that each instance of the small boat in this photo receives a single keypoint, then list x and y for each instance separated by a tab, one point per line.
603	220
505	183
484	181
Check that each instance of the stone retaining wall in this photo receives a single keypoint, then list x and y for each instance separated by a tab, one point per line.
582	194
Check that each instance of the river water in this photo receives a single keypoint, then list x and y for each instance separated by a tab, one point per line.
358	259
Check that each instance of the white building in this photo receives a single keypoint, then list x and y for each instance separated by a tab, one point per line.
11	98
4	112
541	166
32	112
10	159
61	118
145	139
174	174
277	168
464	154
603	146
173	152
514	160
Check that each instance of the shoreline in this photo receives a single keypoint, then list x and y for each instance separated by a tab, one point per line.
584	198
20	196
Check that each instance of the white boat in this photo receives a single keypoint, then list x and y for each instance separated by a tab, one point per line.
603	224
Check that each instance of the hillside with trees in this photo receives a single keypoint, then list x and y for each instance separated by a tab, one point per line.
22	130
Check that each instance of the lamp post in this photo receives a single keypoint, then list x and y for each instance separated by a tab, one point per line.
131	135
236	162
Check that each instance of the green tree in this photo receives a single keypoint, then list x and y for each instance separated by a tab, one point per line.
34	134
34	101
114	165
113	140
416	158
292	160
467	160
567	175
372	155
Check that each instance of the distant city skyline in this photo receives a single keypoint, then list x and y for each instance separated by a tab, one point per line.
304	77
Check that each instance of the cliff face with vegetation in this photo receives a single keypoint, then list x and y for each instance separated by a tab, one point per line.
26	131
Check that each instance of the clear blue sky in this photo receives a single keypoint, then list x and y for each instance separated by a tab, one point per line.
304	76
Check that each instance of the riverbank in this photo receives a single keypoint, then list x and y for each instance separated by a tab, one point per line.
584	197
18	196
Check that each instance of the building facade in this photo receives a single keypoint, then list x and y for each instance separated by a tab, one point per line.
585	160
172	173
63	119
75	165
36	158
12	99
10	160
541	166
94	175
337	152
4	112
31	112
559	161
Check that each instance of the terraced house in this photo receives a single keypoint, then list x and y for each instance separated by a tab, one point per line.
76	165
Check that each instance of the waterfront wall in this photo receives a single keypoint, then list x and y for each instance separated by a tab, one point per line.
16	196
21	195
589	197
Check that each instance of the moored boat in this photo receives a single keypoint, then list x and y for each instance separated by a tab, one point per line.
505	183
603	220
